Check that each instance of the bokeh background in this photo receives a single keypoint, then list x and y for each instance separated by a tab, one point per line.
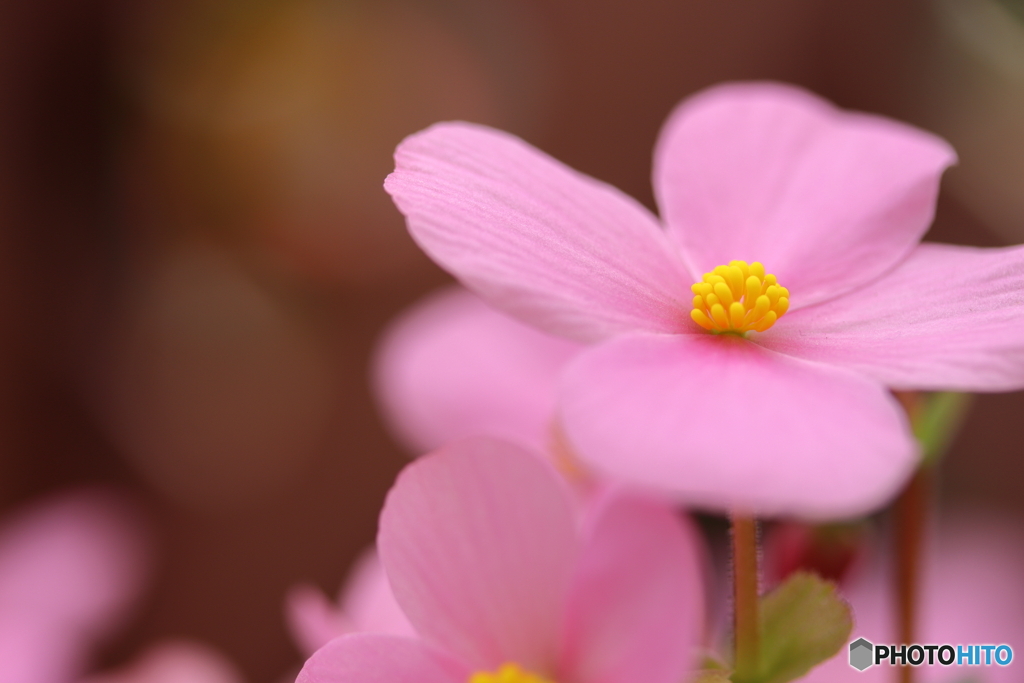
197	255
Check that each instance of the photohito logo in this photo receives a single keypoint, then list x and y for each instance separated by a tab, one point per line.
864	653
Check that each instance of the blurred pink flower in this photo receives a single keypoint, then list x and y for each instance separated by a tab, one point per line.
485	555
366	604
453	367
70	569
174	662
796	418
971	593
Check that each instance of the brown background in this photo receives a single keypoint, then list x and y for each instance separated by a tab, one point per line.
174	325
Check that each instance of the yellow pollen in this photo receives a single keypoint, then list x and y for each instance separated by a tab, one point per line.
507	673
736	298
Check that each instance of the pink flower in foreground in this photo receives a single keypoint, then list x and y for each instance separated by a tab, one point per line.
449	368
453	367
787	411
485	555
971	594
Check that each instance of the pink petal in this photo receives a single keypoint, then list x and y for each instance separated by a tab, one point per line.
535	238
70	567
368	601
313	619
34	651
636	607
367	605
377	658
726	424
827	200
175	662
946	318
453	367
478	541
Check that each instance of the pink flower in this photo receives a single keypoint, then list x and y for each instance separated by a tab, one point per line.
449	368
175	661
70	569
971	594
485	555
786	417
453	367
365	605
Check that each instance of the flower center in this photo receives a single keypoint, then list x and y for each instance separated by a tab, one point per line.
507	673
738	298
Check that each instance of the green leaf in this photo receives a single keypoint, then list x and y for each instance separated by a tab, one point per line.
711	661
712	676
803	623
938	421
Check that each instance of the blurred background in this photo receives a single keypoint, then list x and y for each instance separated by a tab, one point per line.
197	255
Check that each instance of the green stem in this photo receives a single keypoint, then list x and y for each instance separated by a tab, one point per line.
747	626
935	419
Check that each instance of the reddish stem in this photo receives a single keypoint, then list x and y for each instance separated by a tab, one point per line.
747	626
911	522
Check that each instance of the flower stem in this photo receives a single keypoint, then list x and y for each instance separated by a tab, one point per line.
911	521
910	518
746	624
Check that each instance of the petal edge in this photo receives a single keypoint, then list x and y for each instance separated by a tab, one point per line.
826	199
724	424
554	247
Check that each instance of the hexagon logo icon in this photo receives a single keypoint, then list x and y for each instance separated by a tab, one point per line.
860	654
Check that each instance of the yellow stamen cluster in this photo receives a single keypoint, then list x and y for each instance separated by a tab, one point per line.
738	298
508	673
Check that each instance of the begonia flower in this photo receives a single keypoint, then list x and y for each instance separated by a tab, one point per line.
742	346
453	367
971	593
501	581
450	367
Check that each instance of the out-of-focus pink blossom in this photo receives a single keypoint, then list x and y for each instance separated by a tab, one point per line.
492	566
449	368
453	367
795	419
70	568
366	604
174	662
971	593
